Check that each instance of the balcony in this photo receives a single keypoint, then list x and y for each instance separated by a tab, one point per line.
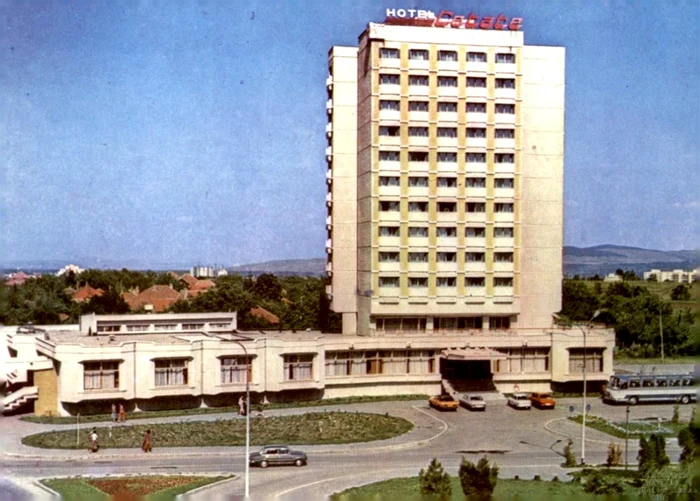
445	191
329	176
448	266
329	82
389	266
329	268
504	192
419	90
329	222
502	292
504	168
476	118
504	143
390	89
329	152
475	167
447	242
477	67
418	166
329	130
447	141
418	116
447	116
504	217
390	216
475	192
418	292
447	217
511	94
447	167
506	68
417	217
475	266
478	92
392	191
416	267
504	242
329	199
448	91
505	118
476	142
329	245
389	165
390	115
446	293
475	217
329	106
448	65
418	241
475	294
384	241
503	267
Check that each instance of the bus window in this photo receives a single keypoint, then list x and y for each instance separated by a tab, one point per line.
647	383
661	382
623	385
634	383
687	381
674	382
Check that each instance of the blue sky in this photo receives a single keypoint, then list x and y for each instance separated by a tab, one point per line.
195	133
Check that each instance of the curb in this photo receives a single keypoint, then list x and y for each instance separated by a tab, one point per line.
617	440
186	495
48	490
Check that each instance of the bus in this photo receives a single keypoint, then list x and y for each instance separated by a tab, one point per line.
635	388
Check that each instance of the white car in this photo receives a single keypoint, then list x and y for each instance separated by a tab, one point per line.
472	402
520	401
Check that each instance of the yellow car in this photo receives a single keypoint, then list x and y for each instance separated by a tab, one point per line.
443	403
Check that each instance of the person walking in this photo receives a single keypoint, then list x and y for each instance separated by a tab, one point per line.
147	445
115	415
241	406
93	440
122	413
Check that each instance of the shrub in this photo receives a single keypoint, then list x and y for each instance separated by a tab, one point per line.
569	458
652	454
555	479
478	481
668	483
676	413
434	481
598	483
687	443
614	455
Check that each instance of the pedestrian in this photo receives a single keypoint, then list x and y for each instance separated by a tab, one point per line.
147	446
241	406
122	413
115	416
93	440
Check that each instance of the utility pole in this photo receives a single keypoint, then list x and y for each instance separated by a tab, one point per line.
627	433
661	329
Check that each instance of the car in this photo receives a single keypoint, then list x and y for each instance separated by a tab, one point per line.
443	403
519	401
277	455
473	402
542	400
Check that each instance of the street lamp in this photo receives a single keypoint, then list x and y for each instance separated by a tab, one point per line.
247	409
583	424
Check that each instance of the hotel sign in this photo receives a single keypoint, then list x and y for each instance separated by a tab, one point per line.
447	19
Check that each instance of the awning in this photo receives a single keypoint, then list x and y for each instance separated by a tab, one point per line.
473	354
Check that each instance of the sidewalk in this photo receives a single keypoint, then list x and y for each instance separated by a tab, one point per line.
425	428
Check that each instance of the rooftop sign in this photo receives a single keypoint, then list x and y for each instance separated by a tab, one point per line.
447	19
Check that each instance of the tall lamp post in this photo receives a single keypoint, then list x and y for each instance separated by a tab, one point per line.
247	410
583	424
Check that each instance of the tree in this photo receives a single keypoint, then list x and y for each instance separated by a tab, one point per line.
614	455
578	301
687	444
668	483
652	454
109	303
435	481
478	481
267	286
680	293
569	457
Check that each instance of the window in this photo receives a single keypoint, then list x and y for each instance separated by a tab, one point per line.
418	54
359	363
473	232
220	326
476	207
446	257
417	207
417	156
505	133
504	158
476	182
503	281
418	231
505	58
234	369
390	156
457	323
503	207
389	181
476	158
388	231
390	130
503	257
417	282
446	281
593	360
505	83
171	372
385	53
419	80
447	207
447	55
447	157
418	182
388	257
503	232
504	183
108	328
508	109
399	324
476	107
476	57
447	132
388	206
499	323
417	257
137	328
101	375
477	82
192	327
446	231
475	257
389	79
447	107
447	82
476	132
418	132
388	281
524	360
418	106
447	182
298	367
338	363
385	104
474	281
166	327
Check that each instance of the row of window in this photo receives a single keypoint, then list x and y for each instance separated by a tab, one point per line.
446	156
445	81
445	106
446	55
451	132
420	282
446	182
359	363
422	232
160	327
446	207
445	257
418	324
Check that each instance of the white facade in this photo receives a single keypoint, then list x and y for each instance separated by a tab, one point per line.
680	276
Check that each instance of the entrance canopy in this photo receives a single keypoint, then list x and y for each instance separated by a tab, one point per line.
473	354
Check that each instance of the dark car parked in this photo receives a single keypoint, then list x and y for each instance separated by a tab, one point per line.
277	455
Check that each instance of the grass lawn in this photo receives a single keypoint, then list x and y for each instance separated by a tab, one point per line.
636	429
96	418
312	428
408	489
150	488
656	361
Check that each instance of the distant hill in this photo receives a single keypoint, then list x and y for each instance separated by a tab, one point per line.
302	267
604	259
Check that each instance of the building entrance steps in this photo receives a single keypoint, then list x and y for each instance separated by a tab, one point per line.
461	386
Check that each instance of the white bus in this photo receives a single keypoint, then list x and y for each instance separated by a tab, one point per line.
635	388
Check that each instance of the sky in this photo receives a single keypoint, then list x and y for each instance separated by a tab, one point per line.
193	132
